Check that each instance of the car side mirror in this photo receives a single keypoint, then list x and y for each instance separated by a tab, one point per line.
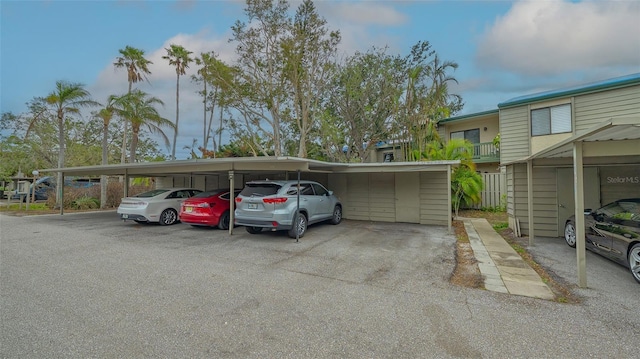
587	211
330	193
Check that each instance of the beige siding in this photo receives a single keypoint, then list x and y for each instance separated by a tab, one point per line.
164	182
382	203
491	126
510	170
619	182
338	184
322	178
592	109
545	203
357	204
434	192
545	207
199	182
514	133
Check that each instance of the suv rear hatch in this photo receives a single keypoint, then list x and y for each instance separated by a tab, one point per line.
258	199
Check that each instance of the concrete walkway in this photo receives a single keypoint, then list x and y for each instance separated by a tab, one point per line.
501	266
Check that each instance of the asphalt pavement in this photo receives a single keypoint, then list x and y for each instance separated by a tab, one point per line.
89	285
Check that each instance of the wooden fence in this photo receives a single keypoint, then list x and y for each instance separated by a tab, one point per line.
495	189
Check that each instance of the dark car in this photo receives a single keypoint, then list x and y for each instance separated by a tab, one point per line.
43	188
210	209
612	231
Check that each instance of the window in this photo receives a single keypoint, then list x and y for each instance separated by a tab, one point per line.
472	136
551	120
320	191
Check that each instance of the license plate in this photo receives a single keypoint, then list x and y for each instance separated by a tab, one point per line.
253	206
124	216
188	209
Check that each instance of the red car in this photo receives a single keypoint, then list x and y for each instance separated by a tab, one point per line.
210	209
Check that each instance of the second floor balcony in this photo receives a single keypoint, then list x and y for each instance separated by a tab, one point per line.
485	152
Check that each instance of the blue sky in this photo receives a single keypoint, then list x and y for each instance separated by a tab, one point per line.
505	49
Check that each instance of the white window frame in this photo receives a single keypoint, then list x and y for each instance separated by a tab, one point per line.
559	118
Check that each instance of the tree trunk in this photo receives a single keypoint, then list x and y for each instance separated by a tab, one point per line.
175	132
135	131
60	182
103	178
204	117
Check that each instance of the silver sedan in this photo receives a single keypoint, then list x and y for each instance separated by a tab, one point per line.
159	205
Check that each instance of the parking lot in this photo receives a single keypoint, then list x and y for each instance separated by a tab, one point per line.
90	285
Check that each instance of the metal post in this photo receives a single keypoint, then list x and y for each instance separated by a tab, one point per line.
297	211
530	200
578	185
61	192
232	202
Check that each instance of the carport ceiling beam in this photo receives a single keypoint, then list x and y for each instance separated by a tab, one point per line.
272	166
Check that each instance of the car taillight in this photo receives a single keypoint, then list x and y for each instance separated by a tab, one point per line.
238	199
275	200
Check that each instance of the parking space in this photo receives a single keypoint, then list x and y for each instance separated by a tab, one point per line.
610	282
90	285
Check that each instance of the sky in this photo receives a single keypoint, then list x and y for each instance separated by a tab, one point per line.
504	49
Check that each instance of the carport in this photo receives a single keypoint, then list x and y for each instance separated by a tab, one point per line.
617	138
410	192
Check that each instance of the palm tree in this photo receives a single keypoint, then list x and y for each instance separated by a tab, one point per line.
206	61
137	67
66	99
139	108
179	57
105	114
466	184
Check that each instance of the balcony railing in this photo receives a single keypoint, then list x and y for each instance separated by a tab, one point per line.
485	152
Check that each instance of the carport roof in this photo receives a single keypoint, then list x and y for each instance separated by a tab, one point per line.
248	164
623	131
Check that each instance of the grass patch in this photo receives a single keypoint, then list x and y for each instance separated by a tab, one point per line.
15	207
500	226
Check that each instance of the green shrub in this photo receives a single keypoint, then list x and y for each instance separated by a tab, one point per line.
86	202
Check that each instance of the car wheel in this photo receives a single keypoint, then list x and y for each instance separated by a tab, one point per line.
337	215
254	230
570	234
299	226
168	216
634	261
223	223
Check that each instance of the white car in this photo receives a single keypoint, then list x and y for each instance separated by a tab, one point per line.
159	205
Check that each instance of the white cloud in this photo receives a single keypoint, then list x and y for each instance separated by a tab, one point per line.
364	13
555	36
362	24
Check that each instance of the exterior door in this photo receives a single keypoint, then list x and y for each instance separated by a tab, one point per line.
407	197
566	202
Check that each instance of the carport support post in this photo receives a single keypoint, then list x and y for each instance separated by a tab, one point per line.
295	223
530	200
125	185
449	200
578	185
232	202
60	188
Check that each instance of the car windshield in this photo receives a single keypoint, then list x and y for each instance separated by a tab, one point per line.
153	193
626	210
260	189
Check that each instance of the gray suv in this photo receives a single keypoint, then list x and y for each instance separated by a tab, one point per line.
272	205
